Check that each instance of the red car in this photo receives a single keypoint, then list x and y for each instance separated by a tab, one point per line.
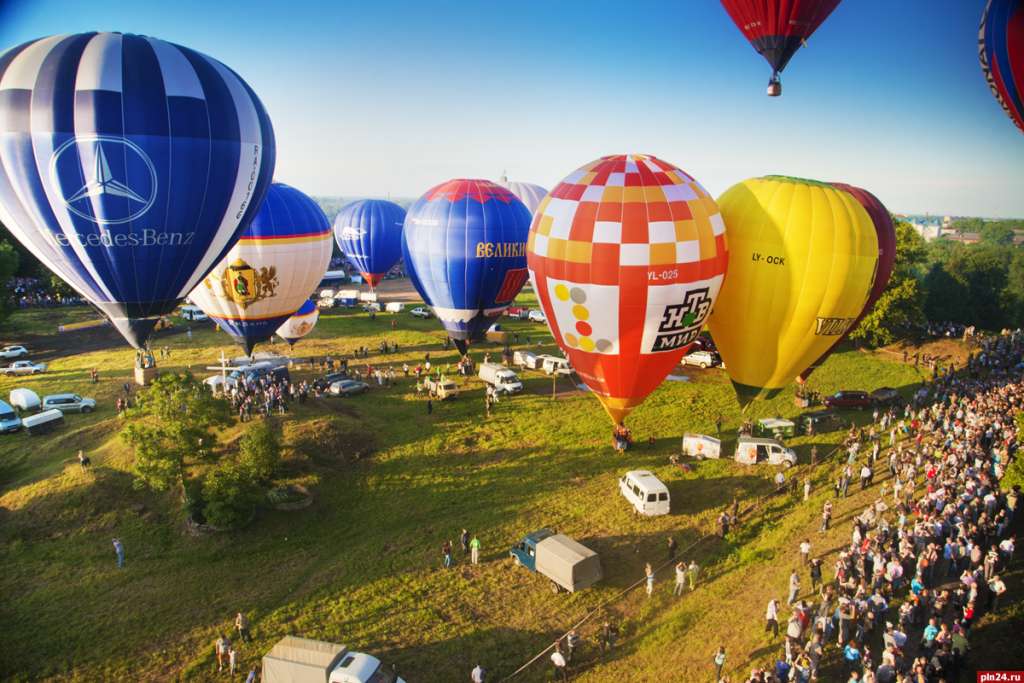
849	399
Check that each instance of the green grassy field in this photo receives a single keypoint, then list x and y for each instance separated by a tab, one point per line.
362	565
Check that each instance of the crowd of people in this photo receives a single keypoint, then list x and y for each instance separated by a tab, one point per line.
925	556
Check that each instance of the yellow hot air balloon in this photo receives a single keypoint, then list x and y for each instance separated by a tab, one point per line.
802	259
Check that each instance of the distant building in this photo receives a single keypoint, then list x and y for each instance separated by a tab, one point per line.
963	237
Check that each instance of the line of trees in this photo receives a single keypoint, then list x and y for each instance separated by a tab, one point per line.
978	284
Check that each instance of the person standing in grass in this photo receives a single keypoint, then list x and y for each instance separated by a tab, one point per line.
719	662
826	515
474	550
446	551
692	572
805	551
232	660
794	586
220	647
464	541
771	618
561	668
242	626
478	675
672	546
119	549
815	573
609	633
649	571
680	578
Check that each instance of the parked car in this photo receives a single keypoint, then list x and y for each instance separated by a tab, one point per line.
301	660
517	312
348	387
13	352
9	420
439	389
325	303
371	307
820	421
69	403
848	399
885	396
569	565
394	307
421	312
194	313
24	367
702	359
536	316
645	492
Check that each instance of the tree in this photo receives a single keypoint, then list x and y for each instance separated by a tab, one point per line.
983	271
9	260
900	309
259	450
230	493
175	419
1000	233
946	296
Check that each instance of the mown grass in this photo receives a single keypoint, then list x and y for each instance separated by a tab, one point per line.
362	566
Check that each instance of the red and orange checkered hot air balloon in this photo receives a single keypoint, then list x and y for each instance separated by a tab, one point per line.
626	255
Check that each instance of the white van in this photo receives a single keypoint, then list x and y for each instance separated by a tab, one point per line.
751	451
645	492
701	446
394	307
189	312
526	359
555	365
501	378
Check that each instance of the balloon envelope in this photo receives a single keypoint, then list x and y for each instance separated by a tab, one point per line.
777	28
300	323
1001	52
271	271
802	258
885	231
128	166
369	233
464	245
528	193
626	255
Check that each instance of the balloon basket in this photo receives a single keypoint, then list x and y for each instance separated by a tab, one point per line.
145	376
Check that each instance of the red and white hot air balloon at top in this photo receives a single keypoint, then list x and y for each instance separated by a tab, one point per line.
626	255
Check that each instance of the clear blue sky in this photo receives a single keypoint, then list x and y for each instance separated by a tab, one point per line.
378	97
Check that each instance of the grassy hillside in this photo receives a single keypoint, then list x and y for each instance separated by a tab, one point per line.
362	565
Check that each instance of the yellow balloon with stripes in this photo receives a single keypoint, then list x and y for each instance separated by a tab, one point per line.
802	259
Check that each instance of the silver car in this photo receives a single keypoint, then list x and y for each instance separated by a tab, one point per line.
69	403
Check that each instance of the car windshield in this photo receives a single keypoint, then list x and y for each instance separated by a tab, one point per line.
7	415
76	397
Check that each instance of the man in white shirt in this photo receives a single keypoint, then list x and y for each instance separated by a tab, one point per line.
805	551
478	674
561	673
771	616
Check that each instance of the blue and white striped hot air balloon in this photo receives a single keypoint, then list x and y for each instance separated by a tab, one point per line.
300	324
128	166
272	269
369	233
529	194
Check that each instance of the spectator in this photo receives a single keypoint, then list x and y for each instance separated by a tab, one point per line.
474	550
478	674
464	541
680	578
672	546
771	617
719	662
805	551
242	626
649	573
446	552
561	666
83	460
794	587
692	573
221	647
119	550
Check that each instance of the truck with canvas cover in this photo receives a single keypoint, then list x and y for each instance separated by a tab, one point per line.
302	660
570	565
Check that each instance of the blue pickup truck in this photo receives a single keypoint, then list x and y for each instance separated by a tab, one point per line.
569	565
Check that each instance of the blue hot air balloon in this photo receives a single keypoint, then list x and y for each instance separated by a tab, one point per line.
129	166
272	269
369	233
464	245
300	324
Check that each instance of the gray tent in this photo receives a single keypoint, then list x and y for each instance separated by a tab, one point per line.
301	660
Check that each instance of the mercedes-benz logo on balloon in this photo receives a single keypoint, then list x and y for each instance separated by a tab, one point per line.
104	179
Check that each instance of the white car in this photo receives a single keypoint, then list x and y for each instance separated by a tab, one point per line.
536	316
421	312
554	365
702	359
645	492
23	367
69	403
13	352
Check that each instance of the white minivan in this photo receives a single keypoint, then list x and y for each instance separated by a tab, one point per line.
645	492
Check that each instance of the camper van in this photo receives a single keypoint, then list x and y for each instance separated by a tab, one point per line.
527	359
645	492
501	378
394	307
553	365
9	420
752	451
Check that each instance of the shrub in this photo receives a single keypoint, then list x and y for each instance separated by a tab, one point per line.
231	494
259	451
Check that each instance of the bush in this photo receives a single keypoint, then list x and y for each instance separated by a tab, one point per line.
231	494
259	451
